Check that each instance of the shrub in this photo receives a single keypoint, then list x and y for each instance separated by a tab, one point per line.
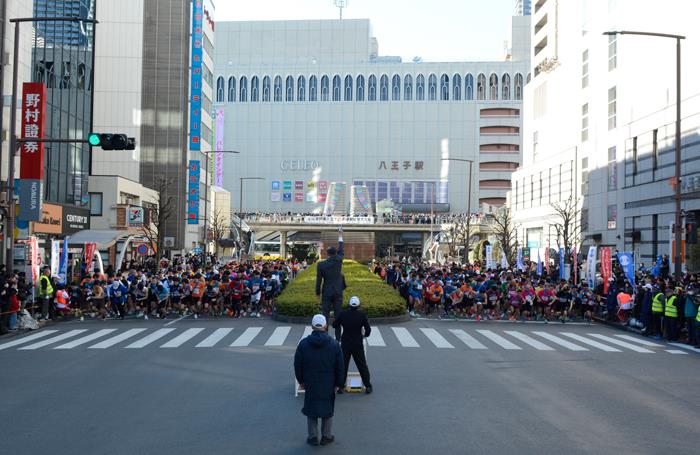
376	297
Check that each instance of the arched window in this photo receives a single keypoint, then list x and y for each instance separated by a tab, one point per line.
444	87
243	89
231	89
278	88
408	87
469	87
396	87
301	88
420	88
324	88
266	89
336	88
254	89
384	88
432	87
493	86
360	88
481	87
456	87
220	89
289	87
313	88
518	87
348	88
372	88
505	84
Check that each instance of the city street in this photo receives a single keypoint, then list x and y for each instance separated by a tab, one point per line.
226	386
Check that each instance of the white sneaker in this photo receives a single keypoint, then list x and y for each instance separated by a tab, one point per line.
196	317
145	317
257	315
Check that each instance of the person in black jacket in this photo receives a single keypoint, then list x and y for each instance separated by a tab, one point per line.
353	321
330	282
318	367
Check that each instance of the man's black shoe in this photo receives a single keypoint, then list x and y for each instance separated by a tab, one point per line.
312	441
368	389
325	440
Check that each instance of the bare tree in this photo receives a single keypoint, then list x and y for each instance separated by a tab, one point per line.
459	234
567	225
504	230
159	213
220	227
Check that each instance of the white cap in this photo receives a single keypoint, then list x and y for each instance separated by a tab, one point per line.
318	321
647	286
354	301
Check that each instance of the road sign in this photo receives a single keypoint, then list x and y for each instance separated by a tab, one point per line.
142	249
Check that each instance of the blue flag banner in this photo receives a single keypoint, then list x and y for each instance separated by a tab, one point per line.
561	264
539	263
63	263
590	266
656	270
627	264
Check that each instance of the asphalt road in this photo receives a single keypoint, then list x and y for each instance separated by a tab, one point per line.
440	387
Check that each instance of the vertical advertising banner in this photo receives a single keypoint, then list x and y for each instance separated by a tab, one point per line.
219	146
489	257
546	258
605	267
519	260
89	256
196	76
562	273
63	263
627	264
193	193
590	267
55	256
31	168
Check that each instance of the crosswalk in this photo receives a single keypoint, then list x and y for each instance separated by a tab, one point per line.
482	339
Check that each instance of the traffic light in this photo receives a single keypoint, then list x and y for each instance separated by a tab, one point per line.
110	141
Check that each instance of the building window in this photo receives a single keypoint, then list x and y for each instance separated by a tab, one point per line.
396	87
481	87
266	89
289	88
324	88
96	203
301	88
612	108
468	87
313	88
432	87
612	216
584	69
231	89
612	168
336	88
254	89
505	82
278	89
384	88
372	88
635	157
584	122
655	149
220	89
348	88
584	176
420	88
612	52
360	88
493	87
408	87
243	89
518	87
444	87
456	87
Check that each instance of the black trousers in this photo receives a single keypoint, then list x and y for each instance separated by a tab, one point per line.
358	355
332	302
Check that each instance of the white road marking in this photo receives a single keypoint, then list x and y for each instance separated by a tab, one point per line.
624	344
278	336
467	339
63	336
438	340
529	341
182	338
685	346
499	340
214	338
640	341
561	341
676	351
85	339
307	332
109	342
375	338
176	320
405	337
595	344
246	337
145	341
27	339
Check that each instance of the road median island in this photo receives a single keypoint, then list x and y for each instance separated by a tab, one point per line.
381	302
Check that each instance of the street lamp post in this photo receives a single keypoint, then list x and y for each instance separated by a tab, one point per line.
240	213
677	228
469	203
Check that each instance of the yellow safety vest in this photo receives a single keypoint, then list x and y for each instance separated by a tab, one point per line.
697	318
671	310
656	305
49	288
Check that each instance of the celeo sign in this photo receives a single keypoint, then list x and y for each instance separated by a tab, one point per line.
31	168
299	165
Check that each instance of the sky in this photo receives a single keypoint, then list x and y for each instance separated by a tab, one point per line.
436	30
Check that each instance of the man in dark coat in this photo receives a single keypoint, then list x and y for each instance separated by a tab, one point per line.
330	282
318	367
353	321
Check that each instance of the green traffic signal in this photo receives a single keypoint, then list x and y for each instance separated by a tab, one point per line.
94	139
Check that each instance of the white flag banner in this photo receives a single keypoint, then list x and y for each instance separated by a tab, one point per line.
504	260
55	256
590	267
489	257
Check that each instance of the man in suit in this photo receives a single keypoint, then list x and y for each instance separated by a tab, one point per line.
330	282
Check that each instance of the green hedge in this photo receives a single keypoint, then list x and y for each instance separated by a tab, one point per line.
376	297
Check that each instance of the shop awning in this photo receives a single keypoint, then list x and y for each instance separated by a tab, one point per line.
103	238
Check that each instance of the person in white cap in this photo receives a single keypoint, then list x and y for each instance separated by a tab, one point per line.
318	367
352	322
